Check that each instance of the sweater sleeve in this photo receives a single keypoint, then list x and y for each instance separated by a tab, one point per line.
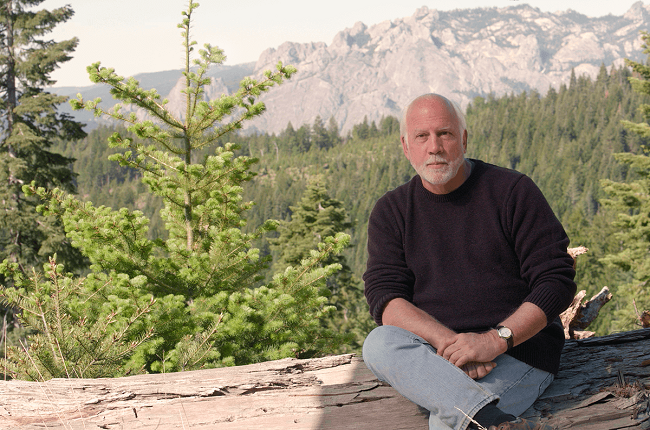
540	243
387	275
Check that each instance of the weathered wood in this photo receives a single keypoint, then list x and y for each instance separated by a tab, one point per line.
594	375
643	317
328	393
579	316
575	252
296	394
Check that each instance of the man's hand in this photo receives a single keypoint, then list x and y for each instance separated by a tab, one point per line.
473	347
478	370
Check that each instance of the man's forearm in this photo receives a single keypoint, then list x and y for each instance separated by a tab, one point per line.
525	322
402	313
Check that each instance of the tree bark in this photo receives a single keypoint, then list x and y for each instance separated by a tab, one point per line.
602	385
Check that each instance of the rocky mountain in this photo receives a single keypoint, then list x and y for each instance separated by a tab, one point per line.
374	71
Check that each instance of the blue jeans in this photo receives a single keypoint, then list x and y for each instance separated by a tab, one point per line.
409	364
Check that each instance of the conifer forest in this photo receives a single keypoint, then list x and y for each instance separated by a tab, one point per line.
178	242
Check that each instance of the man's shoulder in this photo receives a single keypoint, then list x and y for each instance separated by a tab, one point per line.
498	171
502	178
399	193
396	200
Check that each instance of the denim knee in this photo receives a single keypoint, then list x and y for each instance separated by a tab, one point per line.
380	341
386	343
377	349
372	346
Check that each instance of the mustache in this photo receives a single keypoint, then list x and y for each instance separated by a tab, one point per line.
436	159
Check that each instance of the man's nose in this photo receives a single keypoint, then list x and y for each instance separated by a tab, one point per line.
435	145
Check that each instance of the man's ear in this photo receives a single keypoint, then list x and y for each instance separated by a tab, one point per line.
405	147
464	141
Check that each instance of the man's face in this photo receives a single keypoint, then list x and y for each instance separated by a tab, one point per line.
436	145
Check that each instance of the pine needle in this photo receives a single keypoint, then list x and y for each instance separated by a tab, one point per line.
480	427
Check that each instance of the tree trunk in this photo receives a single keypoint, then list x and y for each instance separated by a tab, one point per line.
603	384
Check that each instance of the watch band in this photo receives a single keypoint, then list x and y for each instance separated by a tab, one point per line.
506	334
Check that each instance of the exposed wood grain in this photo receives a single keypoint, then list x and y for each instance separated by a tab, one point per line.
335	392
300	394
587	391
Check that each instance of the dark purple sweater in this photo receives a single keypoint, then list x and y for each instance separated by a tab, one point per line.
471	257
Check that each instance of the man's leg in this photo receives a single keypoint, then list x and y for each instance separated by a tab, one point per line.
413	368
517	384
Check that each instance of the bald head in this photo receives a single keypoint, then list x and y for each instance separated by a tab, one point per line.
453	108
434	140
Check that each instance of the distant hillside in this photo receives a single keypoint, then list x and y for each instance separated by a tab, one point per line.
466	53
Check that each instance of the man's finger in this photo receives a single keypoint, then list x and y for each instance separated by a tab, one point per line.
461	360
478	370
443	348
462	357
449	351
473	373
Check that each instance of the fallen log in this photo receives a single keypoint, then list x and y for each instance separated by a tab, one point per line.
603	384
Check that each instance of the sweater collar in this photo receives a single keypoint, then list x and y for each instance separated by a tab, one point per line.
477	167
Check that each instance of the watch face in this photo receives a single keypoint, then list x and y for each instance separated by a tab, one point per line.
505	332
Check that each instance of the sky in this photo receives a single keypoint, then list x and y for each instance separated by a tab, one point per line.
139	36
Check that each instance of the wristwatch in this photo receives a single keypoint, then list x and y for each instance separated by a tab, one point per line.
506	334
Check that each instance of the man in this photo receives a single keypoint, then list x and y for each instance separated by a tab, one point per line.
467	274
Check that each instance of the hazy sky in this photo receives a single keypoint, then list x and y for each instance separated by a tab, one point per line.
136	36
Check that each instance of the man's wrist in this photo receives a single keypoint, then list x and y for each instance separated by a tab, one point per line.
506	334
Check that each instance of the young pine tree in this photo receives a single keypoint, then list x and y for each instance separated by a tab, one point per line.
188	301
632	201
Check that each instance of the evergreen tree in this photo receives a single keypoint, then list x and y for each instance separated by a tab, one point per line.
187	301
319	135
632	201
333	132
303	138
361	131
317	215
31	124
389	125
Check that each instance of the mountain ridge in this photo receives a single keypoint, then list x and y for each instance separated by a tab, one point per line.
373	71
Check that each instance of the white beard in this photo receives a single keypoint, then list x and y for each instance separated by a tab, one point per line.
439	175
